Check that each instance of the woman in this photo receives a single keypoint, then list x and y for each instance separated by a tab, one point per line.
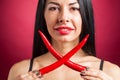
65	23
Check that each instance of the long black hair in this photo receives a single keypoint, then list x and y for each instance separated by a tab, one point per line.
86	12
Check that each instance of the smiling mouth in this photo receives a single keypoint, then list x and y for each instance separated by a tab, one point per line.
64	30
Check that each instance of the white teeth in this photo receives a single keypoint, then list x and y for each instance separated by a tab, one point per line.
64	29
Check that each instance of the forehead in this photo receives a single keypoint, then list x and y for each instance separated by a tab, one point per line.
62	1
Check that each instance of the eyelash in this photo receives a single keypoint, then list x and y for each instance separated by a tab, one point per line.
57	8
75	8
54	8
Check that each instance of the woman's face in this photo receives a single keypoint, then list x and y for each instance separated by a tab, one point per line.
63	19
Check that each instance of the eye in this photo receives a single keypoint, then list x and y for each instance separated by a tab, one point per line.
53	8
75	9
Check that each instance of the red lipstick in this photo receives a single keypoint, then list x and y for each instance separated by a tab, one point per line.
64	30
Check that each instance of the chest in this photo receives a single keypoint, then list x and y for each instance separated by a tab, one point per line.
63	74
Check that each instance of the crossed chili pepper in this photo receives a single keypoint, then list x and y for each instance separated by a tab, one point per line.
62	59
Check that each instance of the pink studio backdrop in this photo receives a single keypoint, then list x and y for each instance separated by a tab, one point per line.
17	24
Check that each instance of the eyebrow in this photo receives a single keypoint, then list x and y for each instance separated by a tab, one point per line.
59	4
73	3
54	3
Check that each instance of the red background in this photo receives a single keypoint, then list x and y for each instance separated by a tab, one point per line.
17	24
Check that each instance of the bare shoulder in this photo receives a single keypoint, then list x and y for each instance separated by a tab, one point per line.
112	69
18	69
22	67
109	68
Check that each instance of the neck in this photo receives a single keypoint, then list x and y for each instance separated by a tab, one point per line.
64	47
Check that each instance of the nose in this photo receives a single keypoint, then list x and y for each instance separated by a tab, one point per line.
63	20
64	17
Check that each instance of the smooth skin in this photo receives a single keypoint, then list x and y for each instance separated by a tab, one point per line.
64	13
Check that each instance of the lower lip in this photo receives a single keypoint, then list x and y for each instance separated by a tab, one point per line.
64	31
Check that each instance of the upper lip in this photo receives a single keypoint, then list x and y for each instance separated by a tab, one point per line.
63	27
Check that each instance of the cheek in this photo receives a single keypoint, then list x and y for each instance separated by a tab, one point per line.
50	20
78	22
47	19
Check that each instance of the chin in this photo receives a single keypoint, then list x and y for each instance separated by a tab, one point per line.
66	40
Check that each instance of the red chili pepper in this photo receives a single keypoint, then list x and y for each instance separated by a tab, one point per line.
64	59
69	63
